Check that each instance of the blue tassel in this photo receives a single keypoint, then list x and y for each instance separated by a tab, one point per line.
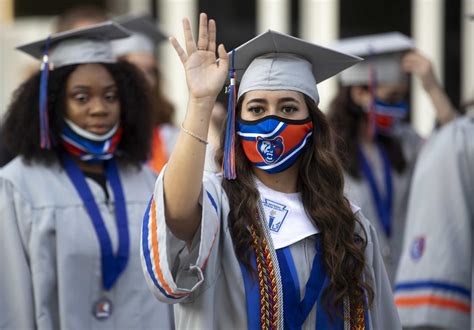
45	141
229	147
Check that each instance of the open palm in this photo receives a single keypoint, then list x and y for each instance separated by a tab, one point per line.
205	76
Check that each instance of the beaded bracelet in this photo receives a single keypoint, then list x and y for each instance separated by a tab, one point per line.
200	139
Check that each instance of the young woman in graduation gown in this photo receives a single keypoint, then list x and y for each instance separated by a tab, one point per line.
71	202
271	242
377	146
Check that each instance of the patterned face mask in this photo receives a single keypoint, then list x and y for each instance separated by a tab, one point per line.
274	143
87	146
389	115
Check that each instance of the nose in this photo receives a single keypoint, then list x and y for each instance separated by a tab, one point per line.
98	107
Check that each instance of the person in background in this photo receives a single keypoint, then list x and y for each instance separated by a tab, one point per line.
72	200
376	144
269	242
76	17
79	17
435	278
140	50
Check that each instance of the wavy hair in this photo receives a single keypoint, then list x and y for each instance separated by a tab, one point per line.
21	126
321	183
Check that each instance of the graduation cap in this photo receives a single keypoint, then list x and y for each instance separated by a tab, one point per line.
145	35
383	53
277	61
79	46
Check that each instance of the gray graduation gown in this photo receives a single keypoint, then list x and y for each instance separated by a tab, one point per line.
50	255
433	285
206	283
358	191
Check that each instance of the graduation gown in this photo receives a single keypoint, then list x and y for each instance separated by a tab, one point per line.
358	191
50	255
433	286
206	283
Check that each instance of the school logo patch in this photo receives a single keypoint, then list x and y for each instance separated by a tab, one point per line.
270	149
276	214
418	247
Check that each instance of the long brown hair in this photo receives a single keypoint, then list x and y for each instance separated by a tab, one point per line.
321	183
345	118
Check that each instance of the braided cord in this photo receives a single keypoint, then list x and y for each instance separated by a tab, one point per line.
266	282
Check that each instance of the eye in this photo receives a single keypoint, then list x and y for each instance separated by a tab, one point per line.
111	96
81	98
256	110
289	109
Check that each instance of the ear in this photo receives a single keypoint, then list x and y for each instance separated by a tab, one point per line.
361	96
278	139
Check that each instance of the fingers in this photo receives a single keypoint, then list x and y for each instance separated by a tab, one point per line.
211	46
223	58
203	39
188	37
179	50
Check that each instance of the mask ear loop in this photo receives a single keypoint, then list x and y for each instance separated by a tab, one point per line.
371	122
229	146
45	142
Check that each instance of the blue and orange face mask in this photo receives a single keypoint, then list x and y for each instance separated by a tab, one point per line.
388	115
274	143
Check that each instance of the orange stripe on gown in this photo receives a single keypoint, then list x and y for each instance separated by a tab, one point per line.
159	156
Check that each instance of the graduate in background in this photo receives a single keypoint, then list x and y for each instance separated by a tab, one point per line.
272	243
377	146
140	50
436	273
433	287
72	200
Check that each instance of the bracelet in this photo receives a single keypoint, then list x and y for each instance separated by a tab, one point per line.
200	139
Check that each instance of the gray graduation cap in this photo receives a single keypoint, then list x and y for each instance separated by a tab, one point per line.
276	61
145	35
382	53
79	46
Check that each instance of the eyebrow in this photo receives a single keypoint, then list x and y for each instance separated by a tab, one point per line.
280	100
88	87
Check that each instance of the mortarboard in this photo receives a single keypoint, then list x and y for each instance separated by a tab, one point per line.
383	53
276	61
85	45
79	46
145	35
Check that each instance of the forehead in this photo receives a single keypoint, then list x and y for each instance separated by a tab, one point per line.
272	95
90	74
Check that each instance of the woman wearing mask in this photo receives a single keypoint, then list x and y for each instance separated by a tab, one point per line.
273	243
71	199
376	145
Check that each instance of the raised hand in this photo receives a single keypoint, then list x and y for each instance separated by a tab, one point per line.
205	75
414	62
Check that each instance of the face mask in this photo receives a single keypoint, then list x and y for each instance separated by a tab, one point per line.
273	143
389	115
90	147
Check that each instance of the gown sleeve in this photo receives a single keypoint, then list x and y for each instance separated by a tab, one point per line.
16	288
176	273
433	286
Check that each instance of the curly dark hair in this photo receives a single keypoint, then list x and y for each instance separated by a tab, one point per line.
20	129
345	117
321	183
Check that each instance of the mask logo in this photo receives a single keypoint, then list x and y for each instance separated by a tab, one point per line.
270	149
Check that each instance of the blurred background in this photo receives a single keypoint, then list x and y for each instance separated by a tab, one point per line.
440	28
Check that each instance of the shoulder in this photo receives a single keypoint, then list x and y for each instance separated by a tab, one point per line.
31	179
363	226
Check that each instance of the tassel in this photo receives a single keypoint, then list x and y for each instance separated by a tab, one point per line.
371	126
45	141
229	147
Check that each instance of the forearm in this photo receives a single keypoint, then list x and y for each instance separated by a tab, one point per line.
445	111
184	173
